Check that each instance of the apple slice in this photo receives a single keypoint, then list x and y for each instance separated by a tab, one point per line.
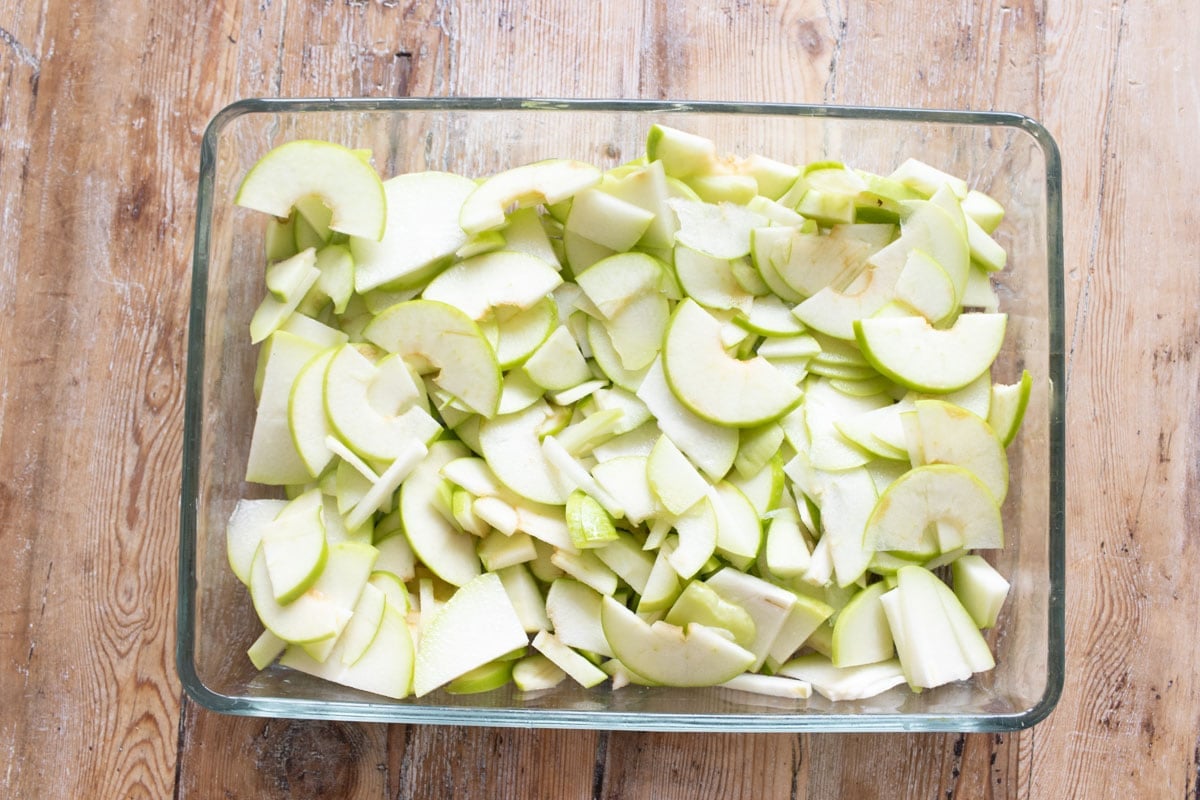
670	655
346	184
511	446
768	605
948	434
526	597
582	671
939	494
536	673
434	336
307	420
543	182
243	533
1007	408
385	667
369	430
422	231
293	546
700	603
448	552
477	624
675	482
914	354
861	634
849	683
272	313
721	230
491	675
607	220
926	288
516	335
936	640
697	531
500	278
980	588
714	385
320	613
574	610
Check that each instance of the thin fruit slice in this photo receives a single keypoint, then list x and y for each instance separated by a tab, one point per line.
670	655
948	434
498	279
384	668
939	494
422	231
433	336
914	354
543	182
714	385
1008	404
349	186
477	624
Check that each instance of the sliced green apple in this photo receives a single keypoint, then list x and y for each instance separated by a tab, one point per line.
243	533
980	588
861	634
347	185
914	354
422	231
448	552
700	603
1007	408
668	654
435	336
939	494
477	624
948	434
385	667
540	183
500	278
714	385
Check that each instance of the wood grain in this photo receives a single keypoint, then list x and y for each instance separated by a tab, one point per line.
101	110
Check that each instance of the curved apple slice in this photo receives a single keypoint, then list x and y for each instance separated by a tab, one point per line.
500	278
938	495
511	446
349	186
384	667
939	229
367	429
477	624
669	655
543	182
1007	408
434	336
293	546
913	353
949	434
715	385
422	231
448	552
322	612
244	532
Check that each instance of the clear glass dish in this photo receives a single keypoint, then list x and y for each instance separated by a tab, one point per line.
1011	157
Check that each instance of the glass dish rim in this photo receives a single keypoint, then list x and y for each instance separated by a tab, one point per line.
278	707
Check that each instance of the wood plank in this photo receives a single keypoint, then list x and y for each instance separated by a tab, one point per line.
245	757
1129	723
90	440
20	594
687	765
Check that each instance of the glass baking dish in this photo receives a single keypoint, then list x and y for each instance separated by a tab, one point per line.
1011	157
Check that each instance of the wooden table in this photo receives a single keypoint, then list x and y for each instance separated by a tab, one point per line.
103	107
